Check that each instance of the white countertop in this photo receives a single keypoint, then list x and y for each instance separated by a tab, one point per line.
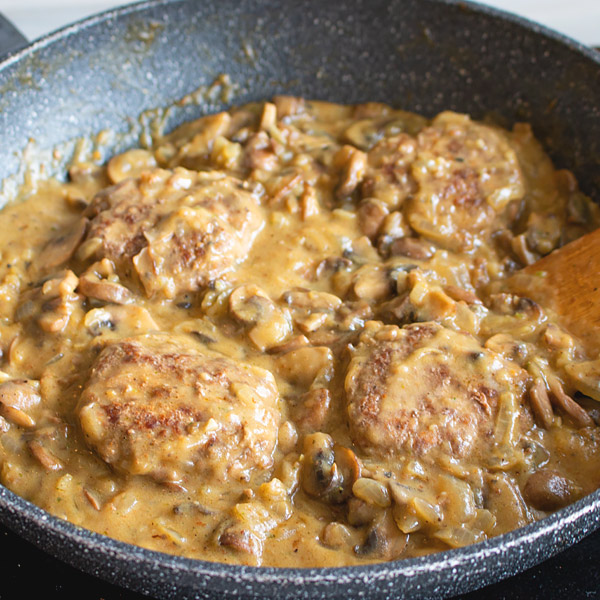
579	19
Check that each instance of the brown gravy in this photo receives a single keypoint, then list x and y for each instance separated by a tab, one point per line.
280	337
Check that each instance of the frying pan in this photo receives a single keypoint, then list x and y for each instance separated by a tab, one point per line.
421	55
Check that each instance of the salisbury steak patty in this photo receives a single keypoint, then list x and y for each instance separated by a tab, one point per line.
425	386
179	230
466	174
160	406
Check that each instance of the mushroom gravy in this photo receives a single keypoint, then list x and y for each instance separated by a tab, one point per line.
281	337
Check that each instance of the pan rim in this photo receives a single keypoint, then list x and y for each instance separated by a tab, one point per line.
12	504
141	5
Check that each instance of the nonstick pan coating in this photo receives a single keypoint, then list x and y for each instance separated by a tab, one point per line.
421	55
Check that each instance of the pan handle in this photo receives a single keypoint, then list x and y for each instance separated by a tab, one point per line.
11	38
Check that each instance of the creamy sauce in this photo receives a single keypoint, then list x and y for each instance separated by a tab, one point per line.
281	337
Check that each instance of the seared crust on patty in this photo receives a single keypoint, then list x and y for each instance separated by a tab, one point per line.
179	230
424	387
160	406
466	174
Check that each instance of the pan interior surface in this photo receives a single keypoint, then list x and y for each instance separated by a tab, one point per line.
433	56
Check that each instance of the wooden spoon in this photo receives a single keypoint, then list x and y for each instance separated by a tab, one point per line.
568	282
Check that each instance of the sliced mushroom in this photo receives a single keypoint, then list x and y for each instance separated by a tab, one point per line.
360	513
332	265
516	316
585	377
305	365
557	339
383	540
375	544
399	310
241	540
336	535
288	106
96	282
88	248
59	250
285	186
54	319
295	342
528	307
193	152
353	163
430	300
535	454
370	110
521	249
19	393
225	154
259	154
372	491
52	303
123	320
540	403
353	315
394	227
129	164
269	325
348	464
548	490
309	202
508	347
76	200
311	322
82	172
312	300
192	507
44	456
270	332
581	210
414	508
461	294
98	320
371	215
543	233
17	397
60	284
363	134
328	471
372	283
250	522
319	474
268	119
248	303
579	416
311	309
414	248
504	500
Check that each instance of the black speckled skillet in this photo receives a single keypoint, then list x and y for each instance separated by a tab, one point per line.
422	55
